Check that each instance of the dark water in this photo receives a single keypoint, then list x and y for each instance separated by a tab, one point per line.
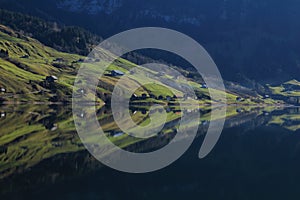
257	157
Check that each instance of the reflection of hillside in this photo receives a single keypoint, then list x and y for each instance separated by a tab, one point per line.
30	135
42	142
289	119
34	134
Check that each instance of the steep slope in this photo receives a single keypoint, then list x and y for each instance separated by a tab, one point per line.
29	71
244	37
25	65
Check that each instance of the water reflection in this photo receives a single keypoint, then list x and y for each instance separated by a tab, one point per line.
39	144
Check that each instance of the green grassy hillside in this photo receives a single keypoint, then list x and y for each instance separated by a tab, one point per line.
28	63
288	92
289	88
25	63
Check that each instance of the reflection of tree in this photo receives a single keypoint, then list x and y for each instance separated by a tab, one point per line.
49	122
1	100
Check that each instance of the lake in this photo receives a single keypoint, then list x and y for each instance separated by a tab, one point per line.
256	157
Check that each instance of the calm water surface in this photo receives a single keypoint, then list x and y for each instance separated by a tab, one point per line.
257	157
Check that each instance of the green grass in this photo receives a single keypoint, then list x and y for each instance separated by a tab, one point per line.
17	73
157	90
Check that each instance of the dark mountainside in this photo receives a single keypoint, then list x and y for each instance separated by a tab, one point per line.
254	39
71	39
